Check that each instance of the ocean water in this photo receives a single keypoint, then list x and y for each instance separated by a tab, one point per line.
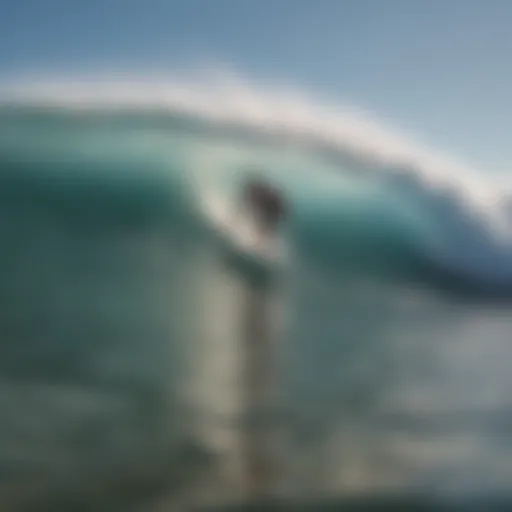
121	353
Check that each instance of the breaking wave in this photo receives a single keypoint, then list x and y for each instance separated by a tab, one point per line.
401	204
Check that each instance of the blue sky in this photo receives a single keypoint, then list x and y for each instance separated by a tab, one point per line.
441	69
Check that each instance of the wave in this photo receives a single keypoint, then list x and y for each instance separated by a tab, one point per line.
397	203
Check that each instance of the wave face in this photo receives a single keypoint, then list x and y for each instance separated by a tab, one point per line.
103	245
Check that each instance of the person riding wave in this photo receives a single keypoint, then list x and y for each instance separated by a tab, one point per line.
266	203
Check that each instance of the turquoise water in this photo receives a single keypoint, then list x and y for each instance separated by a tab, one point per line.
119	319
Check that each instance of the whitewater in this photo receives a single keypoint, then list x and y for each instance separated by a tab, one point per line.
119	316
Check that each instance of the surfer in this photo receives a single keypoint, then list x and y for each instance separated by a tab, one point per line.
267	205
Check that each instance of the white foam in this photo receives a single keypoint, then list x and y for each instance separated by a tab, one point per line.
229	99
